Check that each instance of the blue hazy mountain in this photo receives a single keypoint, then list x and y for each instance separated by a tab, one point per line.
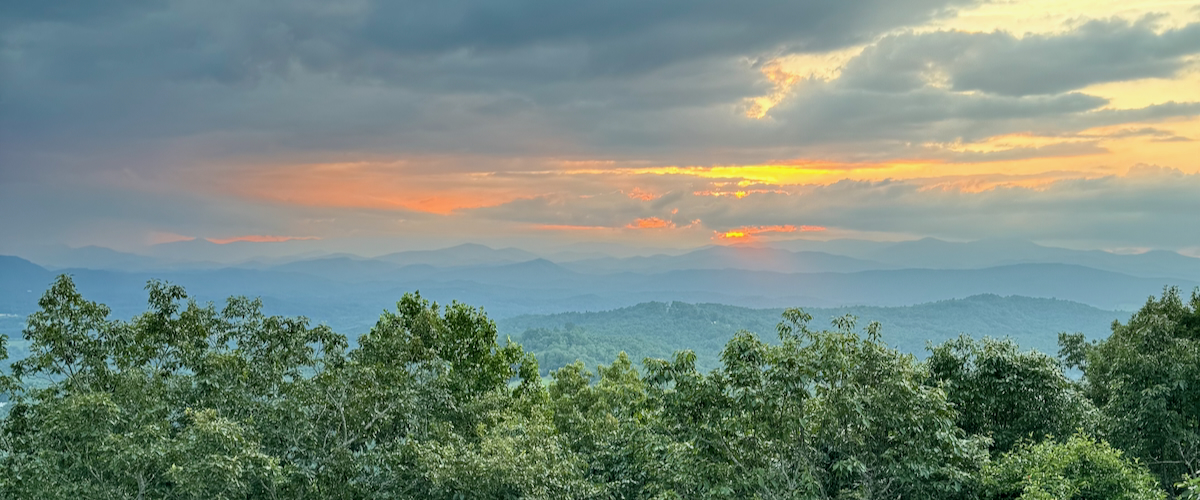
932	253
94	257
321	290
658	328
748	258
1030	302
468	254
343	268
200	252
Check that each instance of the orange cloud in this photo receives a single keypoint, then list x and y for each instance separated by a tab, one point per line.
639	194
415	184
651	223
258	238
738	194
749	232
451	185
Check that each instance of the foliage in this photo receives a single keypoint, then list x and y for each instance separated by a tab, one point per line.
1008	395
559	347
189	400
1078	469
1189	488
1145	379
822	415
186	401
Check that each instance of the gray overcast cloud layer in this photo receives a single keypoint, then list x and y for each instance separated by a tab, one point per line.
623	79
144	89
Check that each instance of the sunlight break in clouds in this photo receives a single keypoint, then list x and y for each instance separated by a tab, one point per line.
639	194
651	223
748	233
781	79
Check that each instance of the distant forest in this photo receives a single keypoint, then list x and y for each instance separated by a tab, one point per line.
193	400
659	329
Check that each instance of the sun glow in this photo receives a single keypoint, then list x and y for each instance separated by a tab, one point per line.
747	233
651	223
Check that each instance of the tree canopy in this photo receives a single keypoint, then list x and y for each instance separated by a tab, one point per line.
191	400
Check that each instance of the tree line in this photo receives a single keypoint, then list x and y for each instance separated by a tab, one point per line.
192	401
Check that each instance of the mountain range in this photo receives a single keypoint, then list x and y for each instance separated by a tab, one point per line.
337	289
1028	290
795	256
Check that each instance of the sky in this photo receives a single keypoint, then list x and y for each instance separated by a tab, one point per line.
373	125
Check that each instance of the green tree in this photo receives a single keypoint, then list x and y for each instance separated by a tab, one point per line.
67	338
610	424
1008	395
1145	379
825	414
163	406
1078	469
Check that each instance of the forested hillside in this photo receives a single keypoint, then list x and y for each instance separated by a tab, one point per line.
199	401
657	329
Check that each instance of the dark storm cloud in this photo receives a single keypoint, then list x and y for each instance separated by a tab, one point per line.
1002	63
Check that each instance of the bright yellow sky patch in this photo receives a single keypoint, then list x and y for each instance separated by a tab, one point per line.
1185	87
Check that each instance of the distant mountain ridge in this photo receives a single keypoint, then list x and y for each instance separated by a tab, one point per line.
730	257
467	254
932	253
667	326
795	256
676	308
326	292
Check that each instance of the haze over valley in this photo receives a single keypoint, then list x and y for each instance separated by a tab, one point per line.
925	290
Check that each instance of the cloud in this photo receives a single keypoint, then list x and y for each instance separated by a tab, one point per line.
388	39
128	84
1152	132
651	223
160	237
151	87
1003	63
259	238
1147	207
639	194
473	117
750	233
